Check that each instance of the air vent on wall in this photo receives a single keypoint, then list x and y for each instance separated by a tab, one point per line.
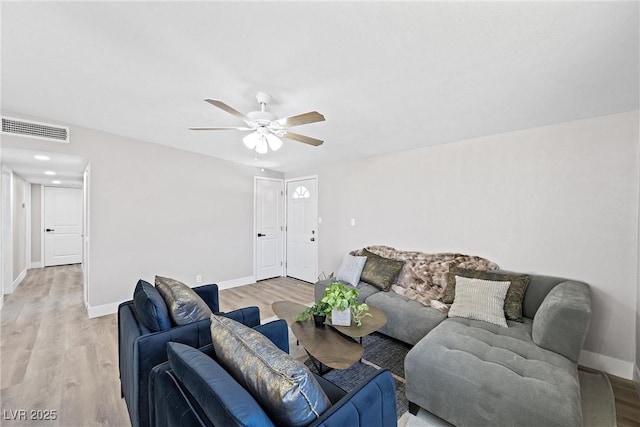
30	129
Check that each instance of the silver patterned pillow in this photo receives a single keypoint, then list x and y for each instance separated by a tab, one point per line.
351	269
184	305
480	300
284	387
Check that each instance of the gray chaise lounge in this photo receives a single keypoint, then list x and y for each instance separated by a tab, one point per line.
472	373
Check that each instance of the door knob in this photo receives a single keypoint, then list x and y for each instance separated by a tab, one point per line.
49	229
261	235
313	239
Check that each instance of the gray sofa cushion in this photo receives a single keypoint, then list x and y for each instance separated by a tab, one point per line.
407	320
470	372
562	320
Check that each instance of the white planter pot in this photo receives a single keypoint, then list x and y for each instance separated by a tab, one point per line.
341	317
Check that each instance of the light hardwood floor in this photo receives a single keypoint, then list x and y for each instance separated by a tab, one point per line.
55	358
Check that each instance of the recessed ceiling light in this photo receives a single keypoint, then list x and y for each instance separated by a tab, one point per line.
49	173
56	182
41	157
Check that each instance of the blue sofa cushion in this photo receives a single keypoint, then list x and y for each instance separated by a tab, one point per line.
150	307
285	387
219	396
184	305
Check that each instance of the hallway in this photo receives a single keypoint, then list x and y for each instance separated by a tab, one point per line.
54	358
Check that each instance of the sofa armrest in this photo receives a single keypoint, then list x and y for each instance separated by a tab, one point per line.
278	332
209	293
372	403
248	316
562	321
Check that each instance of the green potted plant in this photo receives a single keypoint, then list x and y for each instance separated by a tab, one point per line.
359	312
318	310
341	299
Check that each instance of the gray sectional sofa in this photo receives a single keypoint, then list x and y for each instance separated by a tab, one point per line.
472	373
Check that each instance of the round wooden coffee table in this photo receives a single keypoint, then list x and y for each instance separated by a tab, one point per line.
331	346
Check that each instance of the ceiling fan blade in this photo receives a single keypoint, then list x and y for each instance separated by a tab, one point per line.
301	119
226	108
302	138
219	128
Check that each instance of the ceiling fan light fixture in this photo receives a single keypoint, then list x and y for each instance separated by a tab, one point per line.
261	146
251	140
274	142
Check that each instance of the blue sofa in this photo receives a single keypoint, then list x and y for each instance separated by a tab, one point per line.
203	393
143	336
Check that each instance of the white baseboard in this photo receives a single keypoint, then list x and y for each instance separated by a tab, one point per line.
111	308
636	379
36	264
227	284
18	280
610	365
102	310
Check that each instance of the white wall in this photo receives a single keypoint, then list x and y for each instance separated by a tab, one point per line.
557	200
158	210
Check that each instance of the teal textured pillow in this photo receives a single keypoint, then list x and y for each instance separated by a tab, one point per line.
379	271
284	387
184	305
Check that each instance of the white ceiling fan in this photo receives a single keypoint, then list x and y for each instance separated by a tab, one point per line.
266	128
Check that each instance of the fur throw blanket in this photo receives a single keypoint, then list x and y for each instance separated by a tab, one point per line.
423	276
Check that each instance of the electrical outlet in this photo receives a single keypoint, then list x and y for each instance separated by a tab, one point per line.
353	222
199	278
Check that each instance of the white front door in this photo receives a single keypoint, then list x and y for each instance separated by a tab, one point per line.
269	228
63	226
302	229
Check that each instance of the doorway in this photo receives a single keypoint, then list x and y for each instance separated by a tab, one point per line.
269	228
302	228
63	221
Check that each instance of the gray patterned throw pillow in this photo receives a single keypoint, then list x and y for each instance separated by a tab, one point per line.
351	269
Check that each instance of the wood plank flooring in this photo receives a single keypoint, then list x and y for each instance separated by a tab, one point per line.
53	357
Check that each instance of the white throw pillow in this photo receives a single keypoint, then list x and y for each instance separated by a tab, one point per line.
480	300
351	269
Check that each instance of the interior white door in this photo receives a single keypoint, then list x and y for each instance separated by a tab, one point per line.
63	226
302	229
269	228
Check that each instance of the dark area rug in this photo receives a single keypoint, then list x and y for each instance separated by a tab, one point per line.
380	351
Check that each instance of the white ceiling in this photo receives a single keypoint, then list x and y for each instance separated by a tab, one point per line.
68	169
387	76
